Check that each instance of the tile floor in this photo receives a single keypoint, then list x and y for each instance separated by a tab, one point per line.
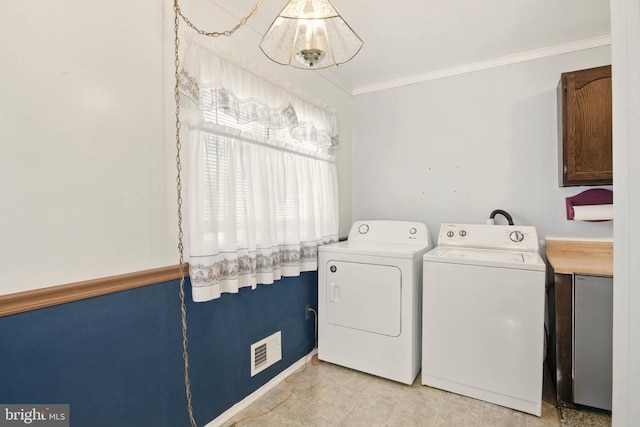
328	395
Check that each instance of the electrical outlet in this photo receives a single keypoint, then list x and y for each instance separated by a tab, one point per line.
307	312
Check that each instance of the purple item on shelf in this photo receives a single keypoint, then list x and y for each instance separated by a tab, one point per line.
594	196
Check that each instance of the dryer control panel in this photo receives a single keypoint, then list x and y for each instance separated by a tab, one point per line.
503	237
390	232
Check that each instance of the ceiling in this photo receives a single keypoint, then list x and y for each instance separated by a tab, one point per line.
406	40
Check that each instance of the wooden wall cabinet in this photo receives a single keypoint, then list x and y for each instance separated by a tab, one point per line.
584	127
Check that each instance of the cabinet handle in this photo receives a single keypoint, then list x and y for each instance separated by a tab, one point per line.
566	169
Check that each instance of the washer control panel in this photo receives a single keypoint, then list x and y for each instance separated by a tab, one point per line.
489	236
516	236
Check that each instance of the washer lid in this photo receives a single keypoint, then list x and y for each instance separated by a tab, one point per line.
492	258
390	250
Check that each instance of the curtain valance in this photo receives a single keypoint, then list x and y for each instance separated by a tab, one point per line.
215	82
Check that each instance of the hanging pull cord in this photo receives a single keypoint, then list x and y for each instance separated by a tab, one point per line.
176	21
227	33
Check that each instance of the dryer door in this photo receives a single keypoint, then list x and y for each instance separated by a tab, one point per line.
363	296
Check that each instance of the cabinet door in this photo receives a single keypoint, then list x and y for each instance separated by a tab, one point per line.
586	132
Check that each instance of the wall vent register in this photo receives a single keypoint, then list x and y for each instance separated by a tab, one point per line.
266	352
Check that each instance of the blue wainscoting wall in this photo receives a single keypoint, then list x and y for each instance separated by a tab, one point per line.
117	359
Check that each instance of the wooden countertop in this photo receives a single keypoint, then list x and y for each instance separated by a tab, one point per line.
580	256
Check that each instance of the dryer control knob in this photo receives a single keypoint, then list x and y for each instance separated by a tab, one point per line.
363	229
450	233
516	236
333	268
413	230
462	233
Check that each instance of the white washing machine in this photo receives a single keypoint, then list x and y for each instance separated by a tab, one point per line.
483	314
369	298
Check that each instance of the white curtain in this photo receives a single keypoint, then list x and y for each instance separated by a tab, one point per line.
261	183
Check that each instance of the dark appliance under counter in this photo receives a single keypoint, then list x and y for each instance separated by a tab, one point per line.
580	296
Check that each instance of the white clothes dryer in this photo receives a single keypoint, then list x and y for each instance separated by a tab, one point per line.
483	314
369	298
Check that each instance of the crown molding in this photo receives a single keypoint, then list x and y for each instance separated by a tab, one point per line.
487	64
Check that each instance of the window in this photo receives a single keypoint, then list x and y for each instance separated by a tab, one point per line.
261	180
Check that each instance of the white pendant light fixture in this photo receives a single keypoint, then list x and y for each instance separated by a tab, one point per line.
310	34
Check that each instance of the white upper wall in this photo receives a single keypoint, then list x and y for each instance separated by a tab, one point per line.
82	160
456	148
87	137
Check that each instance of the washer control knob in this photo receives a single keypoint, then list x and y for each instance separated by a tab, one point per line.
363	229
333	268
516	236
450	233
413	230
462	233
